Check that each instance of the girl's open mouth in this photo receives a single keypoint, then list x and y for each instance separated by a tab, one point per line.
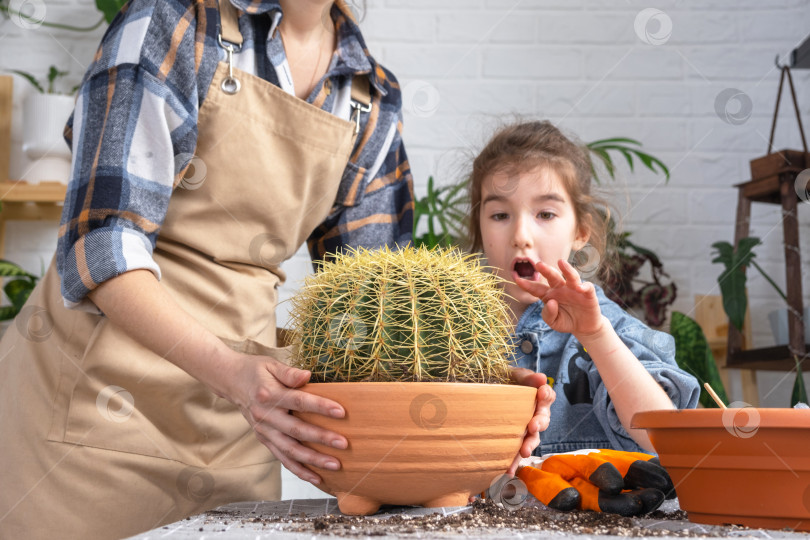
524	268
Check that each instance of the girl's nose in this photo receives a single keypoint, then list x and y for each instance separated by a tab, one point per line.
521	236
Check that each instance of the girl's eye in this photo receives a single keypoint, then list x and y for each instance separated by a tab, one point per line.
500	216
546	215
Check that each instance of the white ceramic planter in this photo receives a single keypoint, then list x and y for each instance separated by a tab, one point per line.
779	325
44	118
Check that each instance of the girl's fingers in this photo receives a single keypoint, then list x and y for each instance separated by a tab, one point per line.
514	466
530	442
532	287
542	413
572	278
550	312
552	275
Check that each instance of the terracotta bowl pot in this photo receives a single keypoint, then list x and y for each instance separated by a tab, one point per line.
745	466
427	444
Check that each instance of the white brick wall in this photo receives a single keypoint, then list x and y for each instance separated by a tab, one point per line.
581	64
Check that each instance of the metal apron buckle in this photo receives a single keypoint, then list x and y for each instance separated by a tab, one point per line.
358	108
230	84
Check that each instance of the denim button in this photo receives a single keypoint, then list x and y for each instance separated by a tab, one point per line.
526	346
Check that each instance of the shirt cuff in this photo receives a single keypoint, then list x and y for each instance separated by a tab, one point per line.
101	255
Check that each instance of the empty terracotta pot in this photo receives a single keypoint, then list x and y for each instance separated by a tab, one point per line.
427	444
745	466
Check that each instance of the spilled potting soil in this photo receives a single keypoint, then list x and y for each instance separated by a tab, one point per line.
482	518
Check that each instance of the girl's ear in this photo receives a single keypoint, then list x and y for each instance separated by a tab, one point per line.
583	235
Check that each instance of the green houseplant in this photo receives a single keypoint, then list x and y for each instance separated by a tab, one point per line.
693	355
48	85
18	287
414	344
732	282
623	283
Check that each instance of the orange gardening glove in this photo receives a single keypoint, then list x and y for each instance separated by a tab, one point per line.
624	483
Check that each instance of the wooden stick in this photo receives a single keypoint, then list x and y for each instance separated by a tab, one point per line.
715	397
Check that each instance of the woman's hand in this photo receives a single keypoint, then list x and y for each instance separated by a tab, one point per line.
539	422
570	306
263	387
265	390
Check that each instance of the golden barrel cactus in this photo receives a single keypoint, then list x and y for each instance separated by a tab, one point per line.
403	315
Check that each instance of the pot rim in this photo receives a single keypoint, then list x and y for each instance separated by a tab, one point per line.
441	387
714	418
432	383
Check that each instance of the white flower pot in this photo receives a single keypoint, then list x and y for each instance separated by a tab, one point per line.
779	325
44	118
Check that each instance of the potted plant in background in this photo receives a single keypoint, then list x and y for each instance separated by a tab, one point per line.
414	344
624	283
735	302
18	286
693	355
45	112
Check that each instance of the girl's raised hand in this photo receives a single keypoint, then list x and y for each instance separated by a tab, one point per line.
570	306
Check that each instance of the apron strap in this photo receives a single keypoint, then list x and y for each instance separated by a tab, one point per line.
229	38
361	99
229	23
360	90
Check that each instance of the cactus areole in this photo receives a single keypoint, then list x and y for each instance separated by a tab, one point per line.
402	315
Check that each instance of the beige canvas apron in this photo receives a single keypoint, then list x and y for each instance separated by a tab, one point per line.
99	437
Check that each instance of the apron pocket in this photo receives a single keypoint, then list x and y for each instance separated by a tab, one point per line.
131	400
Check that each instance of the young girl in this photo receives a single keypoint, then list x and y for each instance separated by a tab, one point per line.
531	210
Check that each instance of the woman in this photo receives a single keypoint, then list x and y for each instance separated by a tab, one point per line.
205	154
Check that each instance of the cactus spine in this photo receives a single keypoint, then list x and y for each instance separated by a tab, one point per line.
405	315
